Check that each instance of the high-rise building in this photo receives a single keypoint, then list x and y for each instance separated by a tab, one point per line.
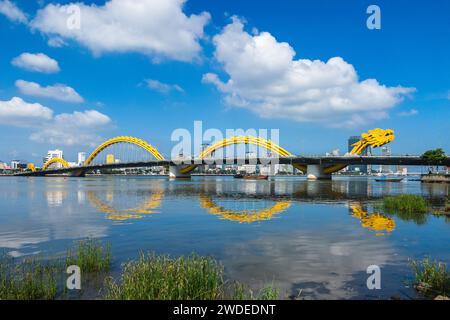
81	158
385	152
359	167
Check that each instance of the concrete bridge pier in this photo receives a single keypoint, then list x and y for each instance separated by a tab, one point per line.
175	173
315	172
78	173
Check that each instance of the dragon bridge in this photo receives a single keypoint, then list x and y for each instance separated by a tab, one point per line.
373	138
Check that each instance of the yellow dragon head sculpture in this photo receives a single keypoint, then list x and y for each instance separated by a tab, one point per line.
375	138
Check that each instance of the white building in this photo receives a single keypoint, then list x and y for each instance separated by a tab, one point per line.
81	158
15	164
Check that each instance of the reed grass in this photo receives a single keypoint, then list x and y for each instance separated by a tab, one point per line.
150	277
40	278
268	292
406	203
431	277
407	207
90	256
28	280
194	277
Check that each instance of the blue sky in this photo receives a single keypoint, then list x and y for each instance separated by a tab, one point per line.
177	70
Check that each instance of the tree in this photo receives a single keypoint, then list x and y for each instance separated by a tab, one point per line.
435	155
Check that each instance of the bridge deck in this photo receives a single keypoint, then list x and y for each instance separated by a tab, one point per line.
348	160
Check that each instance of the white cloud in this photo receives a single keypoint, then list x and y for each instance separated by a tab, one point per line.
86	119
265	78
155	28
162	87
12	12
56	42
17	112
59	92
37	62
77	128
408	113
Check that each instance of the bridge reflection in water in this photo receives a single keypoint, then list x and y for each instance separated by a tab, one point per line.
375	221
243	215
146	207
251	201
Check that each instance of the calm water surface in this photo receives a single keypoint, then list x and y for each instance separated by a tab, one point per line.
318	237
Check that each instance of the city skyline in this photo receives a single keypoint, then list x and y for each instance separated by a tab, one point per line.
58	89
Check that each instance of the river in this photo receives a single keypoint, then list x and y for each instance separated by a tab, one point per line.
313	239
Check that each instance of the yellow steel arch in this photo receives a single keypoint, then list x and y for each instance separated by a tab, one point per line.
124	139
258	141
243	215
64	163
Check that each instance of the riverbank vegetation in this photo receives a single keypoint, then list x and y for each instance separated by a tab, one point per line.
28	280
90	256
431	278
44	278
405	203
433	156
151	276
407	207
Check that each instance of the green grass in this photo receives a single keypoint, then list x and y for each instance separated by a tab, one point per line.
407	207
238	291
268	293
90	256
431	278
405	203
153	277
28	280
44	278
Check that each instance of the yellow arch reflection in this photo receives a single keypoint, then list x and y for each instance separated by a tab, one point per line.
373	221
146	207
242	216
